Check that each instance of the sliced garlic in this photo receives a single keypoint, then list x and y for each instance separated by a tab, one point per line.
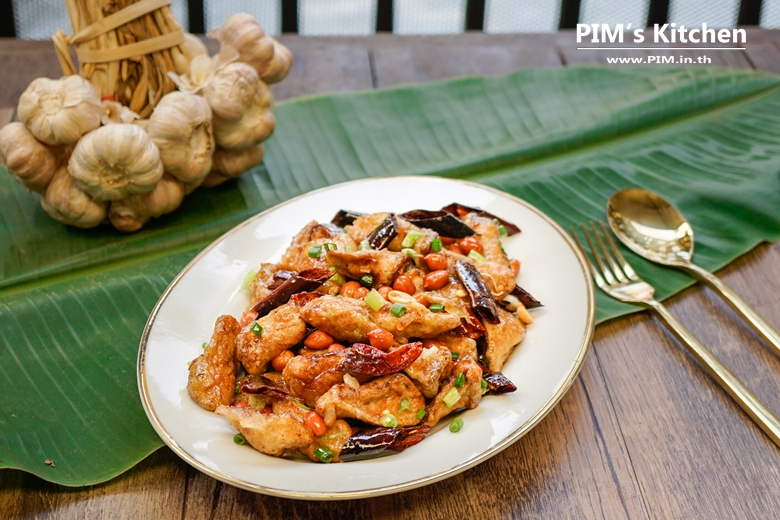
352	381
116	161
60	111
31	162
64	201
523	314
180	126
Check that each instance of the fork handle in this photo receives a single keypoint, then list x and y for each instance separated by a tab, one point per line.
759	324
760	414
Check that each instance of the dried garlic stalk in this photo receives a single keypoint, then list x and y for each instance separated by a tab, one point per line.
228	165
31	162
180	126
253	127
116	161
131	214
232	90
60	111
64	201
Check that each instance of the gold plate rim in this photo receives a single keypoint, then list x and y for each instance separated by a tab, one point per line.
386	490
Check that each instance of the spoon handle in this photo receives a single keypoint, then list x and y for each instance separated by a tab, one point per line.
746	399
758	323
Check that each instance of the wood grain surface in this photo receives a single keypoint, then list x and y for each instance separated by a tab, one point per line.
643	432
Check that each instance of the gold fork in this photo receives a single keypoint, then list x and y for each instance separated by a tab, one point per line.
619	280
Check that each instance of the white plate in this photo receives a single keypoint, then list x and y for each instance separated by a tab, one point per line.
543	367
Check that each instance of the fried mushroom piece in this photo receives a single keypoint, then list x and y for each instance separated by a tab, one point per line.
296	257
372	400
308	377
212	379
416	322
364	225
333	439
495	270
470	392
383	265
343	318
263	279
277	434
459	344
430	369
282	328
501	339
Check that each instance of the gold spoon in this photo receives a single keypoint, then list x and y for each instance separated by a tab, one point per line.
654	229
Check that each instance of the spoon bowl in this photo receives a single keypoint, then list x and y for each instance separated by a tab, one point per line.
650	226
654	229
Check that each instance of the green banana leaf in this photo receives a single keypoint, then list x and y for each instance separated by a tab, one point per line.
73	303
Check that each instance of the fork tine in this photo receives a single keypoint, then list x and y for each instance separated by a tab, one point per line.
622	261
604	269
595	272
611	261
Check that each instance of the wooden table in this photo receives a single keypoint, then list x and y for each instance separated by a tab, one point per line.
642	433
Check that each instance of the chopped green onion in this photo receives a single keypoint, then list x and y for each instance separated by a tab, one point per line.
456	424
314	251
397	310
404	404
205	345
460	380
367	280
436	307
408	252
410	238
258	403
484	386
238	389
248	279
334	246
324	454
455	356
476	256
436	245
239	438
388	420
421	413
256	328
347	248
451	397
303	406
338	279
364	245
374	300
501	228
330	436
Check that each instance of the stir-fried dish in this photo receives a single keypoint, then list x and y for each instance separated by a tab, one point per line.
369	331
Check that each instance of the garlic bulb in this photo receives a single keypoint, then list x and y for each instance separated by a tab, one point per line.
227	165
60	111
116	161
180	126
31	162
280	64
231	91
131	214
64	201
115	113
202	69
256	125
242	32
